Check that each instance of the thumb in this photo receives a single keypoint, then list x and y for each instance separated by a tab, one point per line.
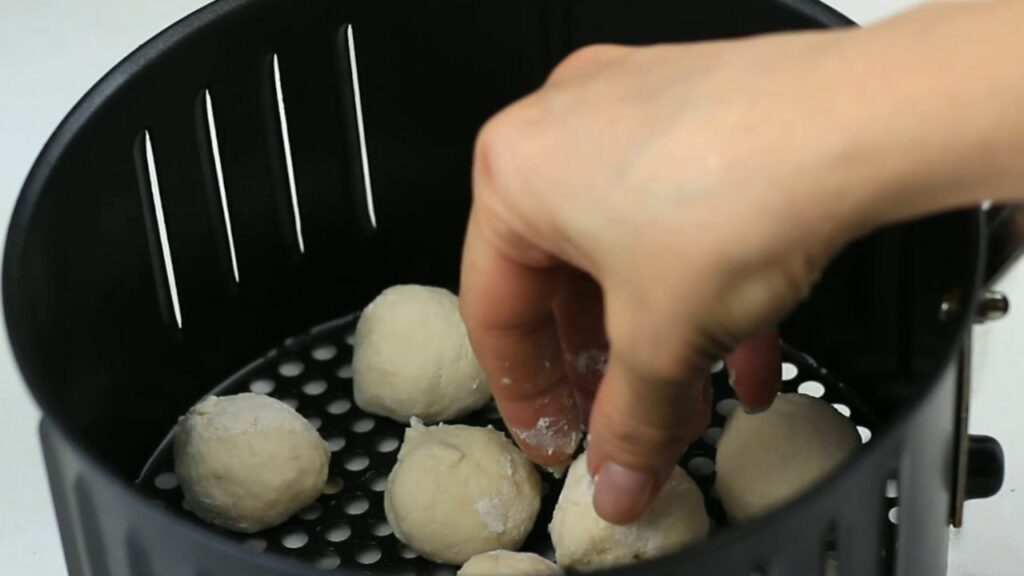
639	427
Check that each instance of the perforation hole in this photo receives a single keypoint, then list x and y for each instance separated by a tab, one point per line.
713	435
381	529
290	369
315	422
717	366
293	403
407	553
324	352
294	539
379	483
350	337
336	443
345	371
363	425
311	512
812	389
356	505
261	386
789	371
894	515
314	387
842	409
386	444
726	406
338	533
368	555
333	485
328	561
701	466
166	481
865	434
356	462
339	406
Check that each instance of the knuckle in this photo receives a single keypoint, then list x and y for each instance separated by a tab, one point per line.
502	147
585	58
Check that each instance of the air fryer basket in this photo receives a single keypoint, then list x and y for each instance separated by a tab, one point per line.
264	167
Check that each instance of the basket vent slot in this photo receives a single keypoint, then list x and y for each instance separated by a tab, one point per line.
149	179
282	117
891	522
211	126
357	101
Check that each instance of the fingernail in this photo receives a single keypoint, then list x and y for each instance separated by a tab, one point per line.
621	495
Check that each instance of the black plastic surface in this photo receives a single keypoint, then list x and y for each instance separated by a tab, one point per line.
88	303
986	467
347	526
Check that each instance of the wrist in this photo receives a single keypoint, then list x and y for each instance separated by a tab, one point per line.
935	119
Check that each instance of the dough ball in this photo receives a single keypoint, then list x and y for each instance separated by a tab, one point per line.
765	460
584	541
505	563
458	491
248	462
412	357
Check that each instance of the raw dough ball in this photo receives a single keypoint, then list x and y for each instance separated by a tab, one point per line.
505	563
457	491
584	541
765	460
413	358
248	462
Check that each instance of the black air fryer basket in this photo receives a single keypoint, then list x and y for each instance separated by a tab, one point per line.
213	213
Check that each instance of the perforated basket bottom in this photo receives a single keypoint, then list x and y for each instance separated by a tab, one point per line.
346	526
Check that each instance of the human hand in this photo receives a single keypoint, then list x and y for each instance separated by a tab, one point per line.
672	203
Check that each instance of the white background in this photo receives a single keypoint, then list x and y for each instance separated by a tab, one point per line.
51	52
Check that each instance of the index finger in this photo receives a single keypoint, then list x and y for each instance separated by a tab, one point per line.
507	307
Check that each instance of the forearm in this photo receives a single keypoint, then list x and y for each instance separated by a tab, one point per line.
939	119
